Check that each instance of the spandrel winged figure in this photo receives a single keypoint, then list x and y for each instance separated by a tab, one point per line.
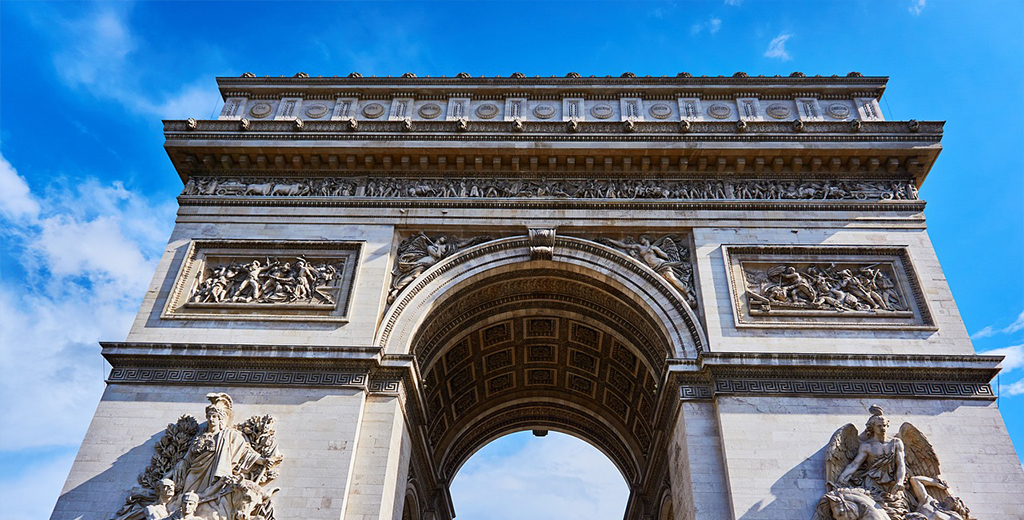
666	256
213	471
419	252
869	477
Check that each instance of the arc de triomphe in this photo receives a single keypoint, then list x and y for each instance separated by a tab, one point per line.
724	284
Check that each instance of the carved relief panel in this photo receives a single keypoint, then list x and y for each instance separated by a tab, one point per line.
265	280
824	287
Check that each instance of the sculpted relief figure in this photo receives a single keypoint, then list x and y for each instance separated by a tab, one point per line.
666	256
271	281
871	477
419	252
681	189
860	288
214	471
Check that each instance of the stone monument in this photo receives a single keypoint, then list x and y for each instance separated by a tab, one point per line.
371	278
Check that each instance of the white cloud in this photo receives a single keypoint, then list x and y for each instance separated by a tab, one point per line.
714	25
16	201
733	2
916	6
84	262
1013	357
991	330
1012	389
777	48
100	56
556	476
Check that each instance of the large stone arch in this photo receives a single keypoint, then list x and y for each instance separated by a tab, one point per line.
576	340
644	287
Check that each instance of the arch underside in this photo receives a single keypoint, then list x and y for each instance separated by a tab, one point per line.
505	342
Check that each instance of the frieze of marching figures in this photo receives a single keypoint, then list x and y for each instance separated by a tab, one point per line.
871	477
683	189
269	281
837	288
210	471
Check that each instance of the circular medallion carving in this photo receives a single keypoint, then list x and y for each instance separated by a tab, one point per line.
260	109
778	111
838	111
660	111
487	110
430	110
544	111
373	110
316	110
719	111
602	111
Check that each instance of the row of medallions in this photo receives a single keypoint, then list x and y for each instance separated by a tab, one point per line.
690	109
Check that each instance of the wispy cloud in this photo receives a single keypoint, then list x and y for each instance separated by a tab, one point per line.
16	201
713	25
992	330
556	476
777	48
916	6
733	2
1013	360
86	256
99	55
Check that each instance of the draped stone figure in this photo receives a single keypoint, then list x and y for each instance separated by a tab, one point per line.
870	477
223	467
666	256
419	252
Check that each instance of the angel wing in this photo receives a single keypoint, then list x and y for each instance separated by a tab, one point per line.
840	451
669	246
413	248
920	456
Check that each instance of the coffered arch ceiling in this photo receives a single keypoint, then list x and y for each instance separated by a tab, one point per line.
541	347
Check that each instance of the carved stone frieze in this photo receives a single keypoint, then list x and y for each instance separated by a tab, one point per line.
233	279
212	471
669	256
885	478
809	287
419	252
590	188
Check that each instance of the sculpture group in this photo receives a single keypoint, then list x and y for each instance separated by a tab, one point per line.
213	471
870	477
667	256
855	288
685	189
267	282
419	252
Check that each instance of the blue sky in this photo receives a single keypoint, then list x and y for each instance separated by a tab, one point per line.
87	193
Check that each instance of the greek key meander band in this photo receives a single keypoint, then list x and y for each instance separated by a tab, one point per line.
838	388
941	389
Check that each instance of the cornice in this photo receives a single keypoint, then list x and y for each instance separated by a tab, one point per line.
835	375
572	83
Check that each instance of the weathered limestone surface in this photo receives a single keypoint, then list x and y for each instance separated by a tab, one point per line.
555	300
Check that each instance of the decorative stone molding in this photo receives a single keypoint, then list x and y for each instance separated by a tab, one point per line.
227	466
237	377
537	188
825	287
542	243
835	375
265	280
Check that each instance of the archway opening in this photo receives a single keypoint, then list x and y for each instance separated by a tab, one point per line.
557	476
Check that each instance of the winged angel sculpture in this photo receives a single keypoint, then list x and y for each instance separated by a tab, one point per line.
419	252
666	256
213	471
871	478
